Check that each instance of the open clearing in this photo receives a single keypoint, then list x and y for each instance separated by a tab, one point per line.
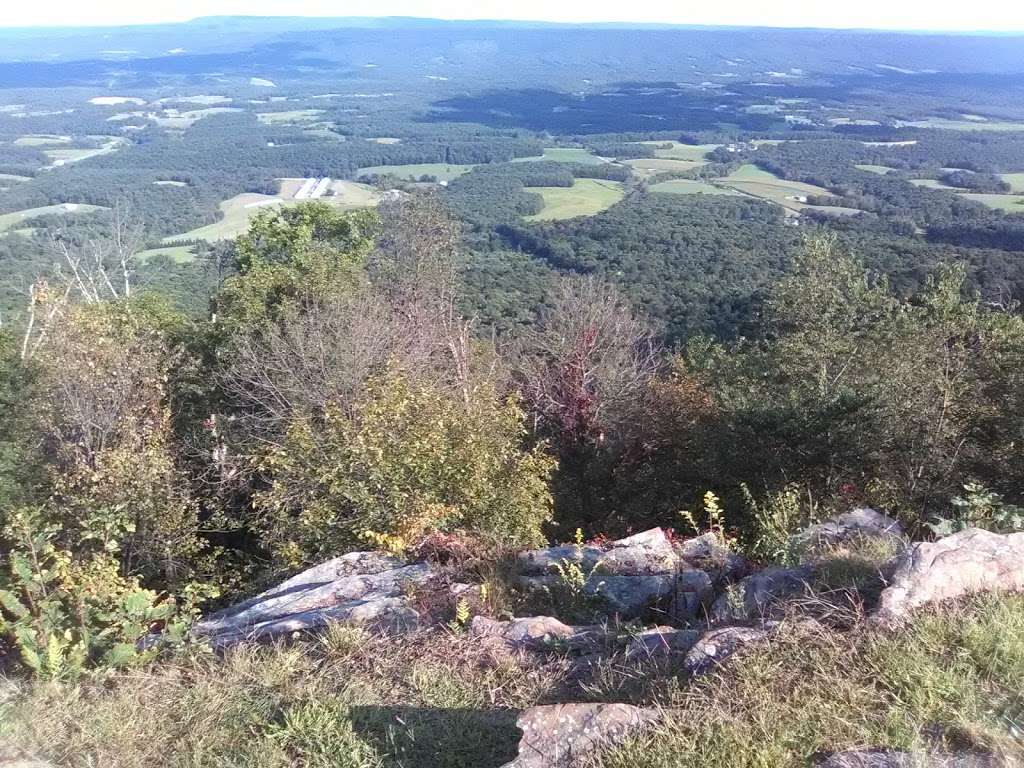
674	150
181	254
170	183
962	125
933	184
756	182
1008	203
9	220
584	198
1015	180
172	118
385	140
202	99
565	155
291	116
13	177
645	167
238	211
111	101
77	154
41	140
690	187
881	170
442	171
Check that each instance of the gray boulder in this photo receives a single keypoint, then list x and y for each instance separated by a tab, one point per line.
848	528
718	644
754	596
965	563
537	633
366	588
707	553
560	735
629	574
661	642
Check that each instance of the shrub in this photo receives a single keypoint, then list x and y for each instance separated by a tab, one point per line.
410	459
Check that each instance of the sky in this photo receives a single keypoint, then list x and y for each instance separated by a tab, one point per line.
991	15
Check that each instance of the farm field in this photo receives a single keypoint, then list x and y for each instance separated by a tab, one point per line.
1015	180
182	254
647	166
881	170
680	151
238	211
690	187
170	183
41	140
565	155
172	118
751	180
442	171
292	116
9	220
1008	203
13	177
932	184
584	198
77	154
963	125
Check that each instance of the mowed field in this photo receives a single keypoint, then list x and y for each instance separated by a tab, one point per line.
9	220
179	253
1015	180
881	170
674	150
442	171
645	167
41	140
1008	203
565	155
291	116
691	187
584	198
238	211
963	125
756	182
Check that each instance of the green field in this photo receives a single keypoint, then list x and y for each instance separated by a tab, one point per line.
12	177
690	187
77	154
240	210
565	155
756	182
1015	180
680	151
932	184
1009	203
963	125
293	116
9	220
41	140
172	118
647	166
584	198
442	171
881	170
182	254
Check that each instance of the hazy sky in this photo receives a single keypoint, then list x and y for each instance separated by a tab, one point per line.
996	15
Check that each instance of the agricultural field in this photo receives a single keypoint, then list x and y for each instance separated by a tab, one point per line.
690	187
646	167
41	140
239	210
11	220
791	195
1008	203
933	184
584	198
181	254
172	118
963	125
442	171
170	183
11	177
881	170
77	154
1015	180
292	116
680	151
385	140
565	155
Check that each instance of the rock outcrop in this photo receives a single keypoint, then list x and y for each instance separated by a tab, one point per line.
849	527
559	735
366	588
537	633
630	574
965	563
718	644
754	596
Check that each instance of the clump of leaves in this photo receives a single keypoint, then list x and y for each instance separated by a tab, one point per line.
979	507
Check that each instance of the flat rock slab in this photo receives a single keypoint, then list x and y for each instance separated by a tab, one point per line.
719	644
365	588
559	735
966	563
861	523
537	633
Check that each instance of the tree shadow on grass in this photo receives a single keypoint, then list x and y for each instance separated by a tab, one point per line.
425	737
